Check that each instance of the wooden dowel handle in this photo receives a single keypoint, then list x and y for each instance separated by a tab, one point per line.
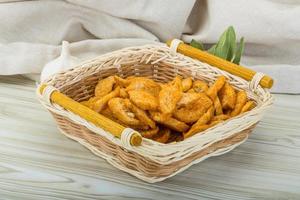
243	72
91	116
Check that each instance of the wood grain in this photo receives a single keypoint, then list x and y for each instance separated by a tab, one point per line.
37	162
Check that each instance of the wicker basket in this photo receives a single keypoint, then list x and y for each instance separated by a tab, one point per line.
152	161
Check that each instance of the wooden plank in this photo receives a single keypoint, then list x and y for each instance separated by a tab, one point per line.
37	162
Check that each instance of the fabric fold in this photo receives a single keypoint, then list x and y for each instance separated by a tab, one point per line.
31	32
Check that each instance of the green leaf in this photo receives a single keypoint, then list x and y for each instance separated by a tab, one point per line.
232	43
226	47
196	44
223	45
212	49
239	51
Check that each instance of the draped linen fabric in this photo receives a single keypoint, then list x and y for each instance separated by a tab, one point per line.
31	32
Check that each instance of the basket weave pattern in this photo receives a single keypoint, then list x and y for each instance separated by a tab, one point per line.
152	161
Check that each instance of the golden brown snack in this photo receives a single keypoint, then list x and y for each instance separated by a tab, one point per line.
175	125
158	116
201	124
195	129
101	103
149	133
191	91
104	86
122	112
188	99
218	106
248	106
227	96
187	84
205	126
168	98
146	84
181	105
163	135
161	84
215	122
206	117
170	122
121	81
241	100
192	113
138	127
140	114
138	83
143	99
123	93
108	113
220	117
177	83
90	103
204	100
213	90
200	86
189	115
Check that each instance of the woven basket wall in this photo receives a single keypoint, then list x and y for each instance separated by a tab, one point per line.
152	162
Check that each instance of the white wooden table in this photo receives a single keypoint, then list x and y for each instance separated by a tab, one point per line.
37	162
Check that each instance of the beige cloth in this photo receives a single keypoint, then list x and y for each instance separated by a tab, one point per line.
31	32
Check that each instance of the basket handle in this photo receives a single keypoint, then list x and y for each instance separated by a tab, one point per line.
128	136
243	72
